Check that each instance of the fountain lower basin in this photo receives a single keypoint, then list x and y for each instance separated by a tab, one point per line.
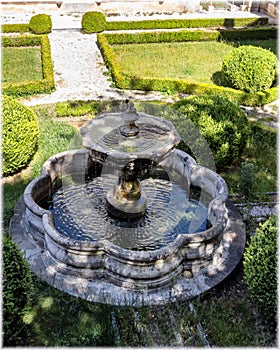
100	270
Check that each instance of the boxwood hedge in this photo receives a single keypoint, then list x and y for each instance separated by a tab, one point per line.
186	23
20	134
17	289
93	22
40	24
222	123
260	267
250	68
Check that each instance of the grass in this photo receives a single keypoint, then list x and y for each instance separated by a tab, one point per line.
199	62
21	64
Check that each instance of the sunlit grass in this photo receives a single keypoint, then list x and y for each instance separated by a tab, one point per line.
199	62
21	64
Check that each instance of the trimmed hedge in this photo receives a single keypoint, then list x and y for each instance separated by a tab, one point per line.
46	85
260	268
186	23
20	135
40	24
93	22
15	28
194	35
123	81
17	289
222	123
250	68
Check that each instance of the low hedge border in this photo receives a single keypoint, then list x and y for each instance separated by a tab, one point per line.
46	85
15	28
186	23
123	81
192	35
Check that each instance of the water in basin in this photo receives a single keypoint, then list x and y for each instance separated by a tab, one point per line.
80	212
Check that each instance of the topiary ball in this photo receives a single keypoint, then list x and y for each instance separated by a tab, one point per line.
222	123
40	24
20	135
260	267
250	69
93	22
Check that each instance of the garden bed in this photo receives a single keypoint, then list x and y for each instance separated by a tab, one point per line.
133	80
45	84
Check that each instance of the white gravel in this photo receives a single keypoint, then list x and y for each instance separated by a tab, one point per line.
79	71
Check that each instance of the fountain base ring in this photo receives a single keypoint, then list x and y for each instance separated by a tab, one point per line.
126	209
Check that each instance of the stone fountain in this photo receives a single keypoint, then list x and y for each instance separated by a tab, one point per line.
129	219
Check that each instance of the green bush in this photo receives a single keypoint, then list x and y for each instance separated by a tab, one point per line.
250	69
17	289
221	122
93	22
185	23
193	35
260	267
40	24
248	178
15	28
20	134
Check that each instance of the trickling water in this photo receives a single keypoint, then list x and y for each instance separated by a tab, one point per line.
80	212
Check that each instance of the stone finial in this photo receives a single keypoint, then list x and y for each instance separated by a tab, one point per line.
130	116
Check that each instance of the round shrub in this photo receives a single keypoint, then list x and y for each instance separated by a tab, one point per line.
222	123
20	135
93	22
40	24
17	289
260	267
250	68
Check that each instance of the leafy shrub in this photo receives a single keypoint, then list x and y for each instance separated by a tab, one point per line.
17	288
250	68
248	178
20	134
184	23
260	267
15	27
40	24
221	122
93	22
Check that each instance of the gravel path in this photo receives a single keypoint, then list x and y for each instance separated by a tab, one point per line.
79	71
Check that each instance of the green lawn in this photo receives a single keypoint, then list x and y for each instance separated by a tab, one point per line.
199	62
21	64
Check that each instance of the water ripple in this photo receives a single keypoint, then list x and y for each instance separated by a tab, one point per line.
80	212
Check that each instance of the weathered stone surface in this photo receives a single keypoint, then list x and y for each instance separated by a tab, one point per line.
101	271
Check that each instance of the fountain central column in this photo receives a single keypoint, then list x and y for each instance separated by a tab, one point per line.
126	200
